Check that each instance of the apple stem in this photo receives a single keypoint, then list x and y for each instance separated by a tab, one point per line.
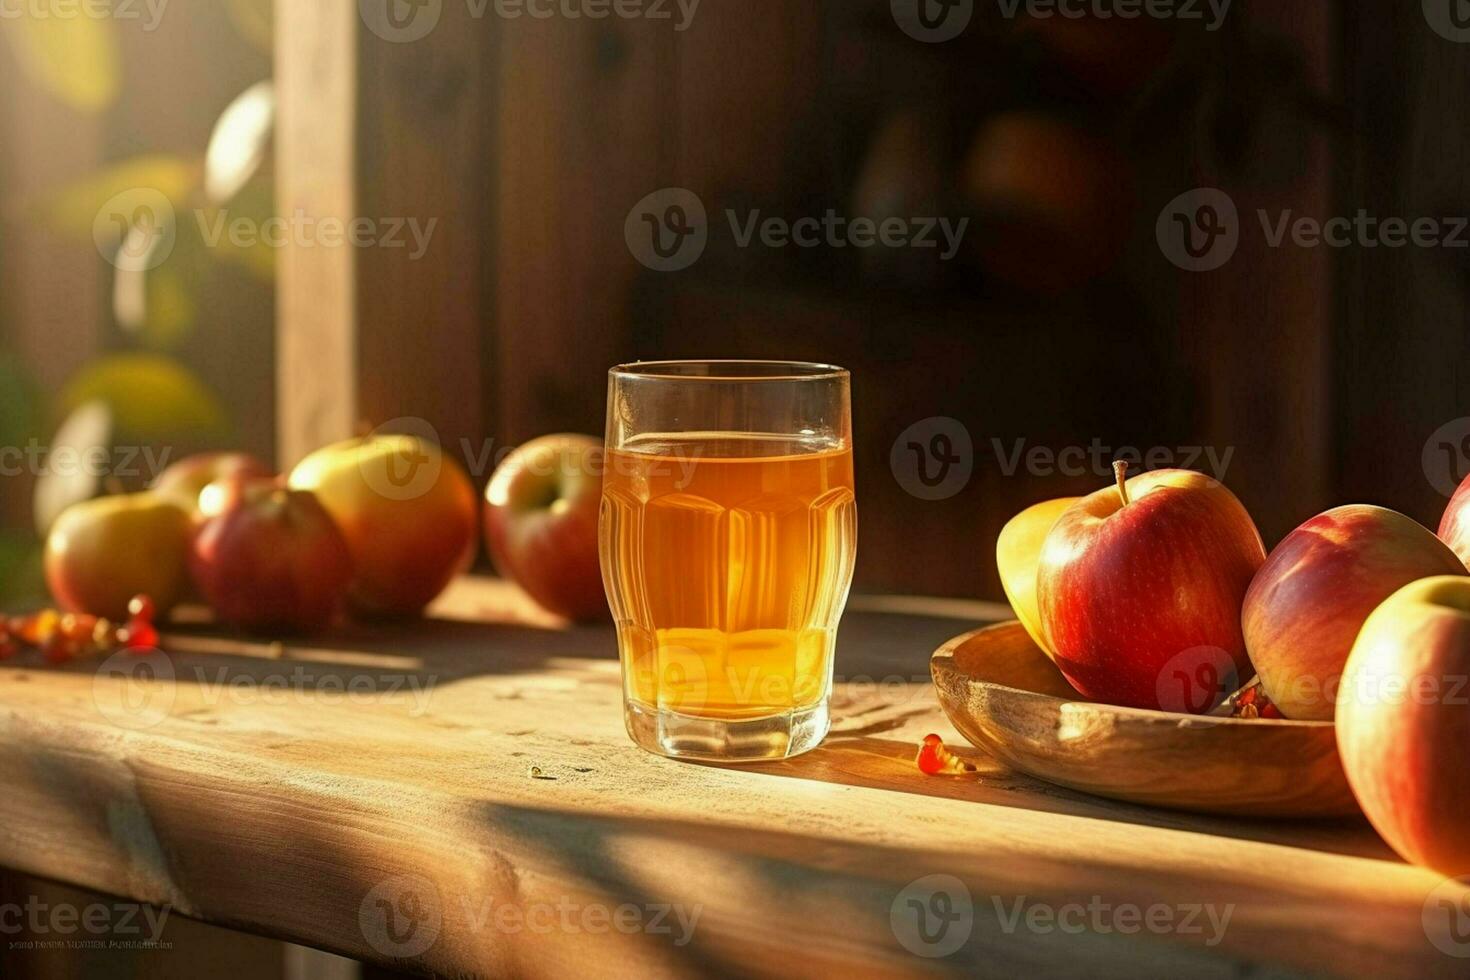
1120	470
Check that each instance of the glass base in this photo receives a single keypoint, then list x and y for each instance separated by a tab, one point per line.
679	736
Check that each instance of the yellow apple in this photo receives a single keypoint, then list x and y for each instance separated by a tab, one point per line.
407	511
100	553
1017	553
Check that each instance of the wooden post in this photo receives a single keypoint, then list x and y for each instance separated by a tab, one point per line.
383	132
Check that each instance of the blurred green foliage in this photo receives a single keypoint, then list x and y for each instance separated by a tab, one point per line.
154	397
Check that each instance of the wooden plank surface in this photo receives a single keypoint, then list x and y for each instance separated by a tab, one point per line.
471	775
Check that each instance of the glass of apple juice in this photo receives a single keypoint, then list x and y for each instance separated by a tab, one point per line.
728	533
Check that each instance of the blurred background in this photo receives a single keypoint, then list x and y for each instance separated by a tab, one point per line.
1063	327
545	190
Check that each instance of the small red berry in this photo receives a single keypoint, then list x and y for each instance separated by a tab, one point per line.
142	636
141	607
934	759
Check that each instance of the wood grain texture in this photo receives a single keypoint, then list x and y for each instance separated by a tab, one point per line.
290	809
316	166
389	134
1004	695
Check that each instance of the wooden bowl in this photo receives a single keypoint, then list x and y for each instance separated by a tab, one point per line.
1007	697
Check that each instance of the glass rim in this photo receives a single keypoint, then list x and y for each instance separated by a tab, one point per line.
728	370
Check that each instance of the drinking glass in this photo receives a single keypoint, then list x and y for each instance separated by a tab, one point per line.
728	533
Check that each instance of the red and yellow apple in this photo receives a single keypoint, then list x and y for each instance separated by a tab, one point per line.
1454	526
1403	721
541	510
407	512
1309	600
102	552
1140	587
1017	556
271	558
185	480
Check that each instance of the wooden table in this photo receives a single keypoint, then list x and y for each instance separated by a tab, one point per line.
460	797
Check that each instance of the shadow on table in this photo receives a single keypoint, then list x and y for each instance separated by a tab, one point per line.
855	757
845	891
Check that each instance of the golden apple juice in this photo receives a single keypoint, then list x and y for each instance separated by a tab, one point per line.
727	560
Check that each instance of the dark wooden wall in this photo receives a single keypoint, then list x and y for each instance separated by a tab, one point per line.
531	140
1402	357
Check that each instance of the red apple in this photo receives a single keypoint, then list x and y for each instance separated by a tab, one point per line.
1454	526
271	558
100	553
1140	588
1403	721
183	481
1309	600
541	510
407	512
